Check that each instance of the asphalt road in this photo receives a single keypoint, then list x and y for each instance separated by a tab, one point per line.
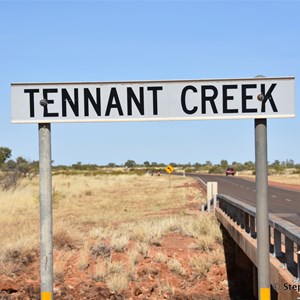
282	202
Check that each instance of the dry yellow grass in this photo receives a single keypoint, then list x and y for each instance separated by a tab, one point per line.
99	219
19	218
97	201
85	200
117	282
83	257
287	178
60	262
175	266
100	200
100	270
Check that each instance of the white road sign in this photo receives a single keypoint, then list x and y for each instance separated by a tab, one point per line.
153	100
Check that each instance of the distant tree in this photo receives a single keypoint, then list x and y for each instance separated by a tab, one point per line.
161	165
5	153
249	165
111	165
289	163
224	163
146	164
35	165
130	163
11	164
216	169
208	163
22	165
21	160
154	164
278	166
15	168
77	166
276	163
238	166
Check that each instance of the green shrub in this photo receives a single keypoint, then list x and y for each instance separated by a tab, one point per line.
216	170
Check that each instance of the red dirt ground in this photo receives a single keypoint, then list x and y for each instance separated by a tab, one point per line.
152	279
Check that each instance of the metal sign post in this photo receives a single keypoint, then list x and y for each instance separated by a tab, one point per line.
262	215
169	169
46	245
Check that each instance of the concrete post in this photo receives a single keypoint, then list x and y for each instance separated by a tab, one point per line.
215	202
212	189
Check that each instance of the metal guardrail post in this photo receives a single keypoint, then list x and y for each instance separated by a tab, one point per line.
247	222
298	263
242	218
270	235
277	243
237	216
46	245
289	252
221	204
252	226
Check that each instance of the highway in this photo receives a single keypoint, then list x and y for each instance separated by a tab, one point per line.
282	202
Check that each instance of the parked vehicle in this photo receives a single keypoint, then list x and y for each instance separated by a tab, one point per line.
230	171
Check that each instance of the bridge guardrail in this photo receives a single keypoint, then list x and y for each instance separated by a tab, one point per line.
283	234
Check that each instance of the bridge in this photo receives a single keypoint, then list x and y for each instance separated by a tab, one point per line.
236	212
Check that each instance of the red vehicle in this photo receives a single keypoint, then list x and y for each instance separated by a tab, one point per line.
230	171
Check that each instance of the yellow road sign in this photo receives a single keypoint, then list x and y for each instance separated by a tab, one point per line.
169	169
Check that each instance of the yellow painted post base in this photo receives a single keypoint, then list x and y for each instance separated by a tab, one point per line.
46	296
265	294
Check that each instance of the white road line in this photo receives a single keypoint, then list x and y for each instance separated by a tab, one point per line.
288	200
274	196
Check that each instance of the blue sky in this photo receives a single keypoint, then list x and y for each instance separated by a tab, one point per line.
65	41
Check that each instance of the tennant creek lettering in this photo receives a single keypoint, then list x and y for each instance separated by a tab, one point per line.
75	102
